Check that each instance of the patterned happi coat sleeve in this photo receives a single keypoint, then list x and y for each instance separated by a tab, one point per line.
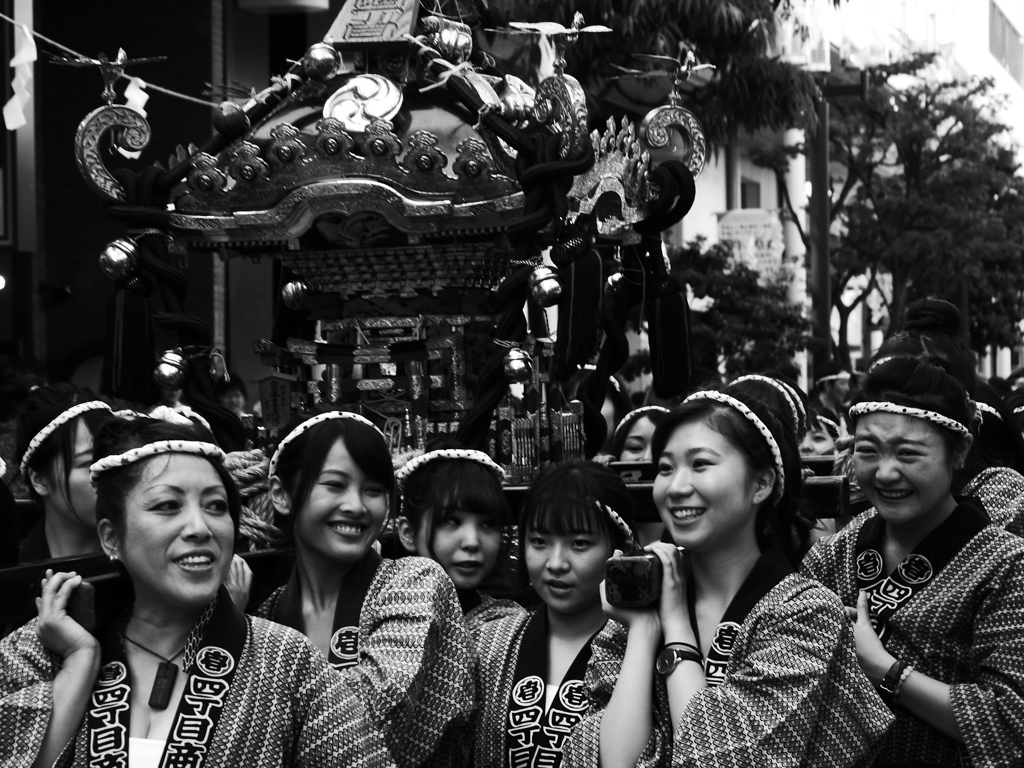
330	724
793	695
1001	492
582	749
414	672
831	560
456	750
989	710
27	671
490	609
497	648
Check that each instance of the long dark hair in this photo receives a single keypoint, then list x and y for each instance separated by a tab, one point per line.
302	459
779	520
114	487
41	406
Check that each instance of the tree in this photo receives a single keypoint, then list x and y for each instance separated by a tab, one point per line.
750	322
925	194
751	89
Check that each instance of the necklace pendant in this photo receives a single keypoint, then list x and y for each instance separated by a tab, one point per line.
163	685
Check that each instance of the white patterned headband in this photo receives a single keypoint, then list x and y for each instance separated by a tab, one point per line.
617	520
986	408
462	454
835	377
635	415
753	418
884	406
881	361
193	447
793	409
63	418
309	424
830	424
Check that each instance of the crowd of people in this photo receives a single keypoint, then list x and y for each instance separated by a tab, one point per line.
426	621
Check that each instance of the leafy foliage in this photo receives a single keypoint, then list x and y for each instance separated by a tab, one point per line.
754	327
929	198
752	90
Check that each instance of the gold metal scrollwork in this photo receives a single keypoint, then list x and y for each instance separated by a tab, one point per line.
133	135
655	134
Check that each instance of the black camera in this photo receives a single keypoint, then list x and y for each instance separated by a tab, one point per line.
633	580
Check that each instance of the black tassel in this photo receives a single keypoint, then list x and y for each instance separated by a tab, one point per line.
128	337
668	326
580	272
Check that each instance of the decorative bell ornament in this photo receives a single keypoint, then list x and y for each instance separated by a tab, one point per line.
321	61
118	259
294	294
518	365
230	120
170	371
544	286
613	286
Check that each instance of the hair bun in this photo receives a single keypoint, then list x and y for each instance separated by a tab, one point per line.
934	316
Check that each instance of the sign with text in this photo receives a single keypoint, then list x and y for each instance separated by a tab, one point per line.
756	239
373	24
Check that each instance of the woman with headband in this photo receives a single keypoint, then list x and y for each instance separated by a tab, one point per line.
182	677
631	441
935	589
454	511
393	627
54	437
531	666
742	662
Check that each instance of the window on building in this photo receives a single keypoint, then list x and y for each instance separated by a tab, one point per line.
750	193
1004	43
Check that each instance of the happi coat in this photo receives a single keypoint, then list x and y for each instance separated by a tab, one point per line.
511	665
790	694
1001	492
410	655
456	750
285	706
485	609
964	627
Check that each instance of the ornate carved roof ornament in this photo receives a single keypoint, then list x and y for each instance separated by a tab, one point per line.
398	176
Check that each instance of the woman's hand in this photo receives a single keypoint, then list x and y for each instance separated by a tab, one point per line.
673	611
238	582
56	630
873	658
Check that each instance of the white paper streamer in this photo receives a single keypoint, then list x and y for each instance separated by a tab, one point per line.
135	97
14	109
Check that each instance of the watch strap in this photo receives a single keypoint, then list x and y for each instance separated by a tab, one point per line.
890	683
674	654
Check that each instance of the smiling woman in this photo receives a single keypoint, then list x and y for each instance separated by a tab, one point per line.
933	585
392	627
181	653
741	660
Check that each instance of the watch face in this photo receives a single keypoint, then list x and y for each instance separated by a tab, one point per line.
667	661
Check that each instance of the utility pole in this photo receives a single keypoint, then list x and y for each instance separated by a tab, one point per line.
821	216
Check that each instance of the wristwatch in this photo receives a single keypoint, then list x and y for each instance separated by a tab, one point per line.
674	654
